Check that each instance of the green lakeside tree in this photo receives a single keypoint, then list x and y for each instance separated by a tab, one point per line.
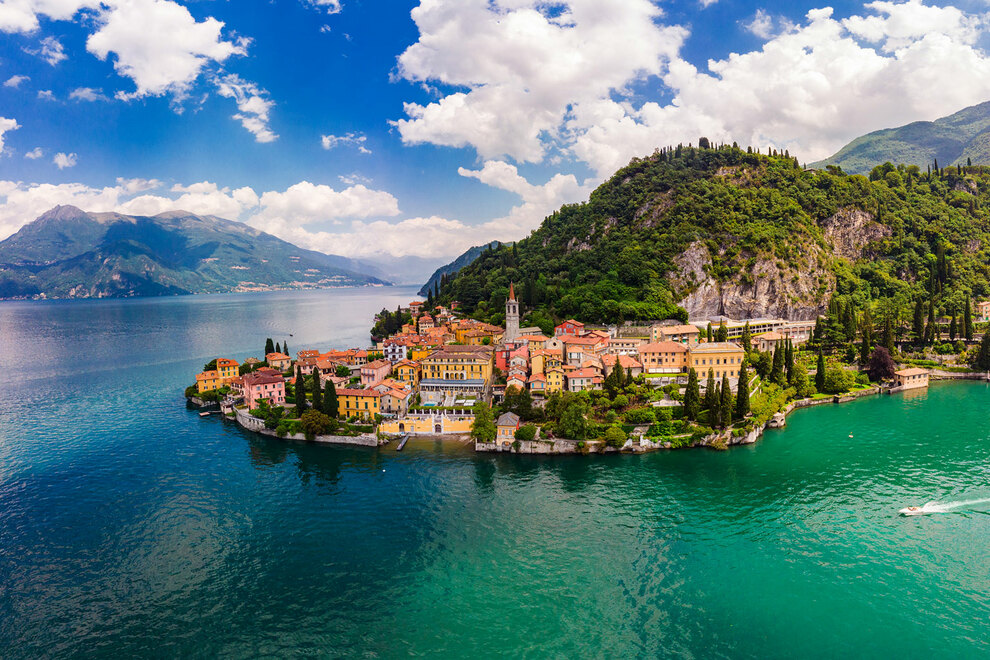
300	392
725	403
692	397
742	392
317	399
888	334
931	328
715	410
952	327
315	423
331	407
820	373
968	320
483	428
573	423
789	360
982	361
709	390
881	365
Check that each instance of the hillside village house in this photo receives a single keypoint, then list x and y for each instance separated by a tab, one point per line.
407	372
363	403
681	333
666	357
306	365
208	381
227	370
983	311
374	372
505	428
909	379
394	350
308	353
625	345
279	361
456	372
724	358
768	341
415	306
426	323
569	327
261	386
535	342
537	384
627	363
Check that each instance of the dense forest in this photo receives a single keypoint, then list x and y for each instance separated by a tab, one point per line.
615	257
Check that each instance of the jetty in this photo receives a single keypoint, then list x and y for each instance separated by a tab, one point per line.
402	443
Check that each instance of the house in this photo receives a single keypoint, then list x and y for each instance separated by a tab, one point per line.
516	379
681	333
263	386
627	363
909	379
505	428
363	403
374	372
227	370
507	353
308	353
570	327
476	337
580	380
426	323
208	381
395	401
537	384
407	372
768	341
415	306
279	361
394	350
536	342
555	380
459	363
307	364
625	345
665	357
724	358
983	311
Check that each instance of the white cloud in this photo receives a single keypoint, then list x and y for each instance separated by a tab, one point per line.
306	203
46	95
51	51
524	64
159	45
353	178
253	105
35	153
331	6
87	94
7	125
204	198
349	139
15	81
63	160
761	24
22	15
25	202
134	186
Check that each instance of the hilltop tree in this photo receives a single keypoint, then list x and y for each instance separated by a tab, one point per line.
820	373
269	346
742	392
881	365
300	390
317	402
931	328
952	327
888	335
331	407
723	332
725	403
278	347
692	397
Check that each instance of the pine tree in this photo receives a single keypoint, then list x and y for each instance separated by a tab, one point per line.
709	390
820	372
747	338
300	392
968	321
742	392
692	397
269	346
317	403
330	404
725	405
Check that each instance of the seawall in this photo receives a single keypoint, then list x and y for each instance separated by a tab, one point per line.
247	421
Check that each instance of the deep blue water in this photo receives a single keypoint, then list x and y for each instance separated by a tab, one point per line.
131	527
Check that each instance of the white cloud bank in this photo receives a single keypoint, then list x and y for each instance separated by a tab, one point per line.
7	125
555	76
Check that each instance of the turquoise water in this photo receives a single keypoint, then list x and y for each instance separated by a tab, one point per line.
131	527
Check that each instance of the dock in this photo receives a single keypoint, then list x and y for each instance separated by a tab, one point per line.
402	443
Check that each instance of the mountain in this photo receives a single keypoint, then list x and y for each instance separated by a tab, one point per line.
693	233
466	259
405	270
956	139
68	253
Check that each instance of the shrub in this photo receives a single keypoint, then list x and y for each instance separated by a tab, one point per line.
621	401
640	416
314	423
615	437
525	432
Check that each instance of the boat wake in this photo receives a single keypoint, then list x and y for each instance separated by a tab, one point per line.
943	507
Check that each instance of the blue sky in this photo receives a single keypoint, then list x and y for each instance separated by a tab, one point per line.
410	128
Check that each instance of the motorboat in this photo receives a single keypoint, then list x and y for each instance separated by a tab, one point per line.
912	511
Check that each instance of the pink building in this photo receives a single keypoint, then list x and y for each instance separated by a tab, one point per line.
263	386
374	371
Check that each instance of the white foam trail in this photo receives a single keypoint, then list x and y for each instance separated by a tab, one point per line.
946	507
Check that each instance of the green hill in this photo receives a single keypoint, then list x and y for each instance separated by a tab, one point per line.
465	259
68	253
957	139
698	232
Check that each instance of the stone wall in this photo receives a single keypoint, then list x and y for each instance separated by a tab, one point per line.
245	420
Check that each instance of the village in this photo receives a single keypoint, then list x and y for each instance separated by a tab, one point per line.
636	387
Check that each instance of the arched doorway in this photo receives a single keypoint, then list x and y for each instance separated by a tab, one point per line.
437	429
402	428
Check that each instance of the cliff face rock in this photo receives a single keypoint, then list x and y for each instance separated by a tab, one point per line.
762	291
849	231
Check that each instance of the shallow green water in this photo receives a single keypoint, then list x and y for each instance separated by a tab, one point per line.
129	526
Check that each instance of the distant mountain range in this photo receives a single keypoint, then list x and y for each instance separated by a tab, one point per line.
466	259
951	140
69	253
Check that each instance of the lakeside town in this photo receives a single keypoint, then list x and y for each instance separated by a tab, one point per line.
584	388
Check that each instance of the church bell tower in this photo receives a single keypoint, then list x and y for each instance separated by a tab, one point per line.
511	317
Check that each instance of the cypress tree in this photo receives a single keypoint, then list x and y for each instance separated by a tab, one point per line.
820	372
931	328
715	410
968	321
709	390
789	360
747	338
888	335
278	347
300	387
918	325
777	369
952	327
725	405
317	402
629	377
692	397
983	356
723	332
285	348
742	392
269	346
330	406
708	334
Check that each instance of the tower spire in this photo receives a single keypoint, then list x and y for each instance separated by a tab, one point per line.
512	291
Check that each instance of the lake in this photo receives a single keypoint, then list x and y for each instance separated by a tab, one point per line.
131	527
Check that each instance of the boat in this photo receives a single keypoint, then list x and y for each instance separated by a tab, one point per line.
912	511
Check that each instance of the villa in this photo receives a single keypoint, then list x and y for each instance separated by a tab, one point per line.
227	370
365	403
279	361
263	386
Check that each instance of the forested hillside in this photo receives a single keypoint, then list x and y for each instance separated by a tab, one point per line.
701	231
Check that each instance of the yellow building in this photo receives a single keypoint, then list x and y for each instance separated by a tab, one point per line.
227	370
407	371
420	353
555	380
208	381
358	403
724	358
459	363
429	424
